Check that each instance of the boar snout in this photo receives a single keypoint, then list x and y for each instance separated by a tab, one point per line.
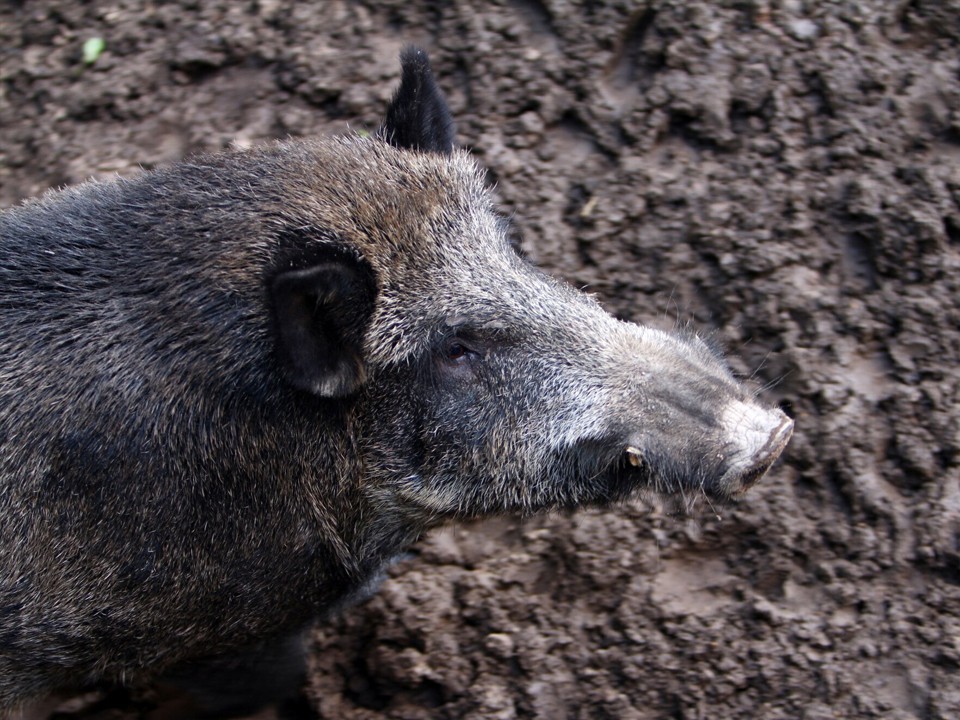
682	425
757	437
750	441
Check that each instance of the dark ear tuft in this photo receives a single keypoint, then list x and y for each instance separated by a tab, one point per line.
418	118
320	313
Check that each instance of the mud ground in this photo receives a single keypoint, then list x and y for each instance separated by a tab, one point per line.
784	172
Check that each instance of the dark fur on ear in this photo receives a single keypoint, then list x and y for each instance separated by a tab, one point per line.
320	312
418	117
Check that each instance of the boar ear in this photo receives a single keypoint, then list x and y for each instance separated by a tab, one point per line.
418	118
320	314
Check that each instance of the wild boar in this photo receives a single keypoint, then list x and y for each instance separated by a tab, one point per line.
233	390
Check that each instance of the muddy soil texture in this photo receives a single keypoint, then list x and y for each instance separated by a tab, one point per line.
784	172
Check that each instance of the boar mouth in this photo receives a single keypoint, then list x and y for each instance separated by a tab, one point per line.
628	475
635	474
720	478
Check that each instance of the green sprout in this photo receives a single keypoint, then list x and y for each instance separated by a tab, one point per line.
92	49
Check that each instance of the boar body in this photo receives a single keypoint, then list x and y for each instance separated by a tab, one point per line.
232	390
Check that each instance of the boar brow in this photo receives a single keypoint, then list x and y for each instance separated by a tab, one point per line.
490	331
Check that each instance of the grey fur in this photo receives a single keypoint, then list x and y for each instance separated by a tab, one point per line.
169	490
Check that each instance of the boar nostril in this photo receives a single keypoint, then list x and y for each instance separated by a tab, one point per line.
779	437
768	453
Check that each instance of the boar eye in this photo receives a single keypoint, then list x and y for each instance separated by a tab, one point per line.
458	353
